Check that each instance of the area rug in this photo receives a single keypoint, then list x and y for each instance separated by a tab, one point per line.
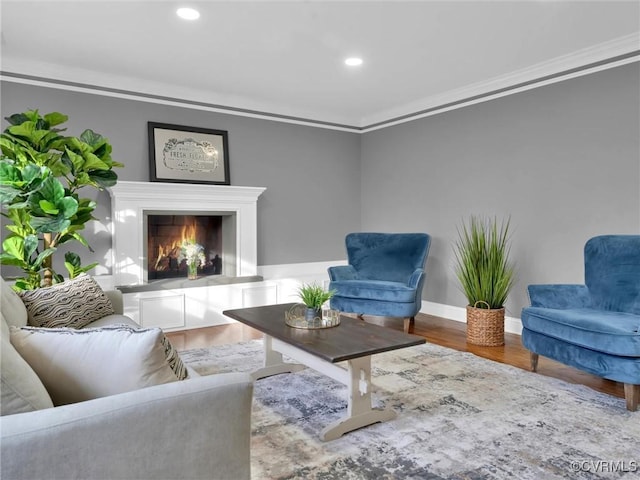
459	417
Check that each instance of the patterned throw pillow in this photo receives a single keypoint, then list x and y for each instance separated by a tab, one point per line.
74	304
78	365
174	360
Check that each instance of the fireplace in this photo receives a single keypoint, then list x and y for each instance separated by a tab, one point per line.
151	219
167	235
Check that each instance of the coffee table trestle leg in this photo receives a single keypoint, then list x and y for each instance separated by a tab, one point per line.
359	412
273	362
357	377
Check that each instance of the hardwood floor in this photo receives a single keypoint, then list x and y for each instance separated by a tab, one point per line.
439	331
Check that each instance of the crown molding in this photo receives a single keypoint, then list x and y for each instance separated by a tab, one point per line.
30	72
611	54
614	53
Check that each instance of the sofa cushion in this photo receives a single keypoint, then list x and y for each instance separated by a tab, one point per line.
77	365
12	309
614	333
74	303
21	389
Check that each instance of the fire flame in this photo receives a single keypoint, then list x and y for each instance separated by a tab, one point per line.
172	249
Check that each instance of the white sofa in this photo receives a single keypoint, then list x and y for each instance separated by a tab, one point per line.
192	429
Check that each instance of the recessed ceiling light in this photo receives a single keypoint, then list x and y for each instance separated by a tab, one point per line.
353	61
188	13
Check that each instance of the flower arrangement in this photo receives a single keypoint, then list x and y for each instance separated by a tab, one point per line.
193	253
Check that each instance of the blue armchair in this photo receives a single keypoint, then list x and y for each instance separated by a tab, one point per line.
594	327
384	277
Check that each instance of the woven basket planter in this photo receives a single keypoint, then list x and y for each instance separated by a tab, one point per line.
485	327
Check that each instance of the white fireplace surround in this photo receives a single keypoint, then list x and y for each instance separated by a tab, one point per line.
131	200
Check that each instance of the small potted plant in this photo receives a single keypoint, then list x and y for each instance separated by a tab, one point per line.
314	296
486	276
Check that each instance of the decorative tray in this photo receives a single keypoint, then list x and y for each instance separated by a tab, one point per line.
296	317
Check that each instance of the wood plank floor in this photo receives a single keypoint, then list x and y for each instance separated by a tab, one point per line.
439	331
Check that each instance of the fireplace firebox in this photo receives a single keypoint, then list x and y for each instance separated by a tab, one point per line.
166	235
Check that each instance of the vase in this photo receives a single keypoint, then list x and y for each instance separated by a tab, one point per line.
192	270
311	314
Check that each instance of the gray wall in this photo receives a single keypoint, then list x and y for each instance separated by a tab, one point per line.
312	175
562	160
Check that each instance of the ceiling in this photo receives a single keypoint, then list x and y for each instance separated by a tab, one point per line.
286	58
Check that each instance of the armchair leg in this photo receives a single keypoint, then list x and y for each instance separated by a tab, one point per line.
534	361
632	396
409	323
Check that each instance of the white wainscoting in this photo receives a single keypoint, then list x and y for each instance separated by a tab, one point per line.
197	307
202	306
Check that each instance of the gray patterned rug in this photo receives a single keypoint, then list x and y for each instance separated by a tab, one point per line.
459	417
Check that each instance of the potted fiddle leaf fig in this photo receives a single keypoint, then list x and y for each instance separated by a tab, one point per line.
41	173
486	276
314	296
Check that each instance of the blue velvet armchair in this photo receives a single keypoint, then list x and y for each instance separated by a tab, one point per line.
384	277
593	327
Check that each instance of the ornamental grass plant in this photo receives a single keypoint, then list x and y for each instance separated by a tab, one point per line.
482	267
314	296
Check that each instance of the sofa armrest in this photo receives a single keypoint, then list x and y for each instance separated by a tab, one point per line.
116	300
560	296
342	272
197	428
415	278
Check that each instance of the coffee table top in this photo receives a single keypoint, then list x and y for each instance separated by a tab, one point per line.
353	338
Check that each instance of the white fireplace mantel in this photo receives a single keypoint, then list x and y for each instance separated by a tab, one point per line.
130	201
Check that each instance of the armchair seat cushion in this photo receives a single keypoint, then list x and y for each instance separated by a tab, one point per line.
614	333
375	290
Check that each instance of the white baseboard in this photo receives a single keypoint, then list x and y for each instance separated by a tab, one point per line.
317	271
459	314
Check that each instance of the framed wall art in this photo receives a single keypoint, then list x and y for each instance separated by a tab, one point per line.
188	154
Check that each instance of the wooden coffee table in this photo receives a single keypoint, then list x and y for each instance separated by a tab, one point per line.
353	341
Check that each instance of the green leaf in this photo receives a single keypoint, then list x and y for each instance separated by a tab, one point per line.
31	172
9	173
91	162
55	118
49	225
17	118
6	259
104	178
14	246
75	236
68	206
42	256
25	130
30	245
52	190
8	194
48	207
73	259
76	160
92	138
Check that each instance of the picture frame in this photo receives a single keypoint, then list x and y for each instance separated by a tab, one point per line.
180	154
